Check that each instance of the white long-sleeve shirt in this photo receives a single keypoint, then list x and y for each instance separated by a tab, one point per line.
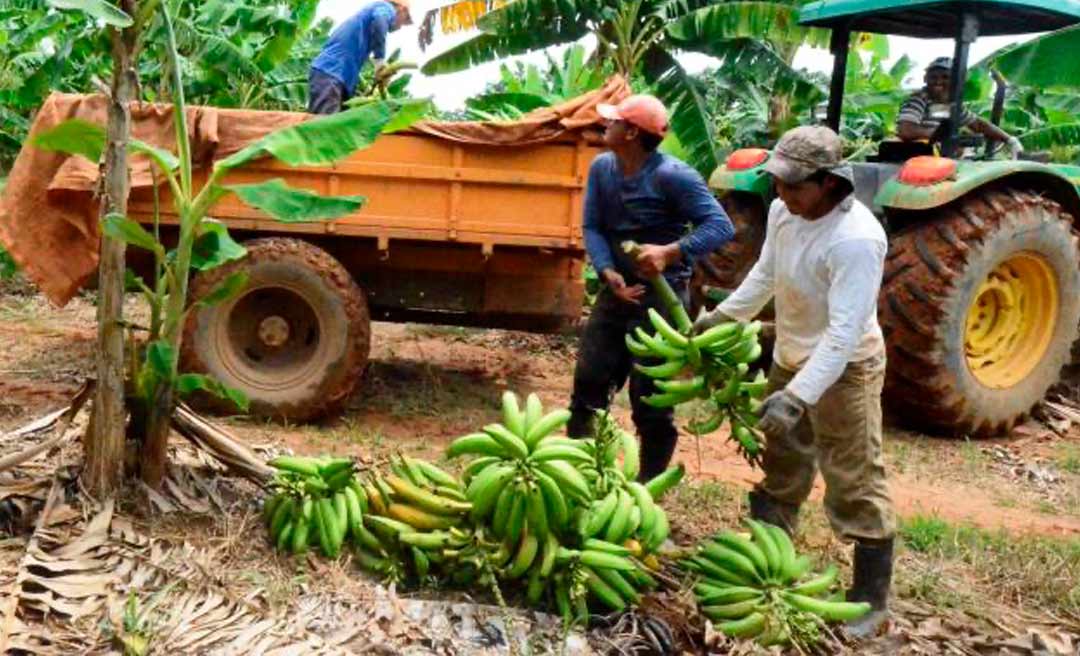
825	276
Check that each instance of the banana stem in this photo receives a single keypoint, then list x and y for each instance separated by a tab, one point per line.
672	303
507	626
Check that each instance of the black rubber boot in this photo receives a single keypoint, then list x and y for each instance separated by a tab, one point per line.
658	440
580	425
872	580
765	508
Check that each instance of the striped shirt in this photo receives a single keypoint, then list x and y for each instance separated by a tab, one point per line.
916	109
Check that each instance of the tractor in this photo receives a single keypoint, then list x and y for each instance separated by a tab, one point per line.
980	300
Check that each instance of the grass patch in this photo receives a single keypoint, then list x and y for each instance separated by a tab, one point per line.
924	533
407	389
973	456
1034	571
702	507
1068	458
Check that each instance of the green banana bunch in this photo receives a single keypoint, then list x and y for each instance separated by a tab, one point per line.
760	588
524	479
315	501
601	571
717	363
416	512
623	509
516	514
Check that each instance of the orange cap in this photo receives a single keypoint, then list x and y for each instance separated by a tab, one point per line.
642	111
404	4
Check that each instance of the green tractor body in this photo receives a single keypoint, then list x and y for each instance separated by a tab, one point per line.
980	301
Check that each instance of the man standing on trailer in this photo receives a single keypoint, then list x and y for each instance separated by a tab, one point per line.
336	71
636	193
822	261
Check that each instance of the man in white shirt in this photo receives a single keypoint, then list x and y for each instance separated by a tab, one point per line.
822	261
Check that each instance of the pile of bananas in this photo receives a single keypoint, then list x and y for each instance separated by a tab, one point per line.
316	501
565	518
713	366
758	588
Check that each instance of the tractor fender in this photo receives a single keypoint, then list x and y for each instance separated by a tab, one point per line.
753	180
1057	182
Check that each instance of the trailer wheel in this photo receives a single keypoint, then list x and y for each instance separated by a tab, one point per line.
980	309
296	340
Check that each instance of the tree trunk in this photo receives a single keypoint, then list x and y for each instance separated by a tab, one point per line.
104	445
780	103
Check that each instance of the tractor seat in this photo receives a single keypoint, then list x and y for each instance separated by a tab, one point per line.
895	150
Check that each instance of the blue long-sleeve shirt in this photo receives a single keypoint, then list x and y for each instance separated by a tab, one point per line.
666	201
352	42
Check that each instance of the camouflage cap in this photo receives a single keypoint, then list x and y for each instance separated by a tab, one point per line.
804	151
941	63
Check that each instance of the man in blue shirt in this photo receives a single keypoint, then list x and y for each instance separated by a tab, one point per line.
336	71
636	193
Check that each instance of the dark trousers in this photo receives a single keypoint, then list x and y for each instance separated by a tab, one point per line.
603	367
326	94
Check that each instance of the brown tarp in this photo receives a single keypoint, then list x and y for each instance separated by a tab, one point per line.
48	210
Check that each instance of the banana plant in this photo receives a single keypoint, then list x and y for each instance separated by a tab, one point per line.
1042	107
522	89
741	93
203	242
639	37
236	53
239	53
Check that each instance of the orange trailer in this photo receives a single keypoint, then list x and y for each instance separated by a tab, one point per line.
453	233
468	224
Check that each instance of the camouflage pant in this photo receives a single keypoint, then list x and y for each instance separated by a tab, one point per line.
841	436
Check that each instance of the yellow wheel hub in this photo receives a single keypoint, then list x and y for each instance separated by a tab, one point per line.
1011	321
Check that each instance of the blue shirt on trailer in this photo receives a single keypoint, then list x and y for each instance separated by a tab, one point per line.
666	201
350	45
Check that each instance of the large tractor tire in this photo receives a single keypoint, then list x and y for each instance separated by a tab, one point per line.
296	340
727	267
979	307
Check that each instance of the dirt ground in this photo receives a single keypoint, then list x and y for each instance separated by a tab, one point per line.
426	385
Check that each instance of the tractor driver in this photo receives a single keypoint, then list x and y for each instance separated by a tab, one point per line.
917	123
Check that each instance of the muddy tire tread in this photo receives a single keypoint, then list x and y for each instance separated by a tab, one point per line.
331	398
921	274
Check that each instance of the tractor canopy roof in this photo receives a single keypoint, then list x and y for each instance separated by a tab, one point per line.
940	19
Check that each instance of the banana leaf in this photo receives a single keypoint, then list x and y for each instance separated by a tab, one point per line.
288	205
499	103
492	47
1050	61
769	21
686	104
101	10
330	138
1051	137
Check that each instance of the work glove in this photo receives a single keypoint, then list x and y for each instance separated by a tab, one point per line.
780	413
707	320
1015	147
